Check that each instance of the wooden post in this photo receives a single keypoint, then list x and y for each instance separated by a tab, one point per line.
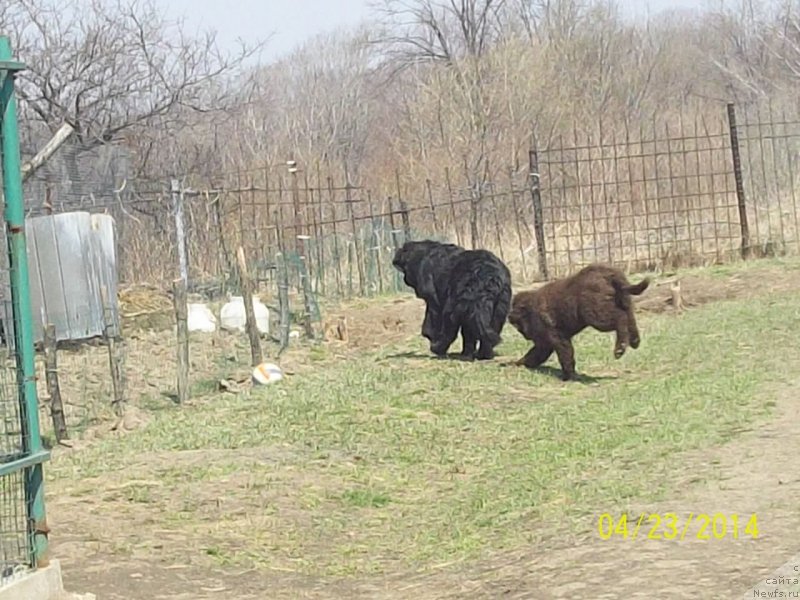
53	389
377	241
283	293
283	300
433	207
180	230
474	201
538	213
249	312
452	205
406	221
306	286
116	356
181	318
675	293
31	166
356	235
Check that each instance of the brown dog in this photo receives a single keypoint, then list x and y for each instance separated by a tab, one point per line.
597	296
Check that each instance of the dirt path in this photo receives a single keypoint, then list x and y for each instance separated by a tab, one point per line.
758	474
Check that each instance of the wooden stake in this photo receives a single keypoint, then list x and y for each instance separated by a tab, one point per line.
53	389
250	317
677	299
116	356
181	319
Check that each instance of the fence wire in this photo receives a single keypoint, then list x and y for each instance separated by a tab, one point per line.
657	195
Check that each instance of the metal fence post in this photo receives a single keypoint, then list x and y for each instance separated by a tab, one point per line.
34	454
538	215
737	173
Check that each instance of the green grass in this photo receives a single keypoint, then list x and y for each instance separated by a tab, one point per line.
387	460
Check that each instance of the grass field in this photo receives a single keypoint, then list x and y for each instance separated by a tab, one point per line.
383	460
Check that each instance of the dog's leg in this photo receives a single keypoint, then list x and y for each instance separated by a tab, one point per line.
633	330
486	351
536	356
623	335
470	342
566	356
445	337
428	324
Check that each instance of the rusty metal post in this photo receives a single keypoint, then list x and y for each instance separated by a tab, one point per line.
737	173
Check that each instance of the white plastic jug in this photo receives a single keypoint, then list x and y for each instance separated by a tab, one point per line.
232	316
200	318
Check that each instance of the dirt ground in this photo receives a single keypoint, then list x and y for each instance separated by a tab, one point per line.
757	474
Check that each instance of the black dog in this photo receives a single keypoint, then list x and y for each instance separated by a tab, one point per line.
424	265
467	290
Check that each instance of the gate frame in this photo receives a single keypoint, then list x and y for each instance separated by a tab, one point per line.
33	455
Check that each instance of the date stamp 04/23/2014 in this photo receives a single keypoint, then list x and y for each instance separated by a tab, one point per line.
670	526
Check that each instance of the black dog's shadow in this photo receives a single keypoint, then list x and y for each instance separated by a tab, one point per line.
423	356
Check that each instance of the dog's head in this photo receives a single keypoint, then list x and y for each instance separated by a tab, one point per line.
521	313
409	257
406	260
412	252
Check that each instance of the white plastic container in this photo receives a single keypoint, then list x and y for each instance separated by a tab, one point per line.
200	318
232	316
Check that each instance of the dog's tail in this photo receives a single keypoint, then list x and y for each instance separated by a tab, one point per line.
624	290
484	320
638	288
491	315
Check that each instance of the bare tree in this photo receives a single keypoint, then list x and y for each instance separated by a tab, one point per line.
783	38
107	66
743	57
545	20
441	30
315	104
458	34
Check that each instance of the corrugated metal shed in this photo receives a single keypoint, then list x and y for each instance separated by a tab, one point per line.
71	258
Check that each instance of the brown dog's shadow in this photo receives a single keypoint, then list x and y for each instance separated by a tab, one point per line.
551	371
556	373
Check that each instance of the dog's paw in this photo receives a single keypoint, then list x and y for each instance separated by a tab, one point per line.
439	349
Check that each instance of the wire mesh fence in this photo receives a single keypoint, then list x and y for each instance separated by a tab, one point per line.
769	137
16	551
658	196
653	195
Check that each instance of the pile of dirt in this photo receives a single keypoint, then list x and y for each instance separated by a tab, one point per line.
145	307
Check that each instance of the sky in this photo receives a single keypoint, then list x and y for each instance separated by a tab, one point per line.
288	23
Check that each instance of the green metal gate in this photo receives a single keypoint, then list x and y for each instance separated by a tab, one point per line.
23	527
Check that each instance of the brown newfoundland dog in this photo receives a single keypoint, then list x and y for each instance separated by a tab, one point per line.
598	296
466	290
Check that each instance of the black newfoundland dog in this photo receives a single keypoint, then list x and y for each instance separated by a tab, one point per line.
466	290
